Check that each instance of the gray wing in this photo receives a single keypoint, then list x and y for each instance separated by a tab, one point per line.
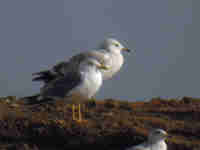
63	68
61	87
49	75
75	61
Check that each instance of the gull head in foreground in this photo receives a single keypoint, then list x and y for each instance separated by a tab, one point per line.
156	141
157	135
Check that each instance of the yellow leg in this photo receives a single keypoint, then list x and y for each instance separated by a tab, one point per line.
79	119
85	108
79	112
73	112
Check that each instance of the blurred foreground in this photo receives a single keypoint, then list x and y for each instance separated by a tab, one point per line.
111	124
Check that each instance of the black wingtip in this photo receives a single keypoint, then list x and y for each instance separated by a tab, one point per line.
34	100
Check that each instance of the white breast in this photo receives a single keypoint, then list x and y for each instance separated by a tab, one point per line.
146	146
92	81
159	146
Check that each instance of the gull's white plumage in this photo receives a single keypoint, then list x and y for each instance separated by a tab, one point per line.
109	54
156	141
91	81
84	83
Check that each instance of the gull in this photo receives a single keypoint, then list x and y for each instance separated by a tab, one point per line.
81	84
156	141
110	53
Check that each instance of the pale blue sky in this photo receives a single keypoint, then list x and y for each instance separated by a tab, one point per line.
34	35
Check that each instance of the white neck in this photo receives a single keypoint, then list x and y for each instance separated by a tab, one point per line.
159	144
92	77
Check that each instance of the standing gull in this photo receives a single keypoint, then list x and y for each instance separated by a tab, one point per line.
156	141
80	84
109	54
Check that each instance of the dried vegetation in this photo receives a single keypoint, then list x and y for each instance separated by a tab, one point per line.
110	124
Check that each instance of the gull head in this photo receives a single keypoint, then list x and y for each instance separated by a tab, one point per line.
157	135
95	64
113	45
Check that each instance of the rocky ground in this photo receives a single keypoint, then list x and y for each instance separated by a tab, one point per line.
110	124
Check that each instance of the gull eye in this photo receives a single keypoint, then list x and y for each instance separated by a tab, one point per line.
90	63
157	132
116	44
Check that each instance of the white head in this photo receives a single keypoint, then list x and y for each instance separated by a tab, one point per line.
93	63
157	135
114	46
